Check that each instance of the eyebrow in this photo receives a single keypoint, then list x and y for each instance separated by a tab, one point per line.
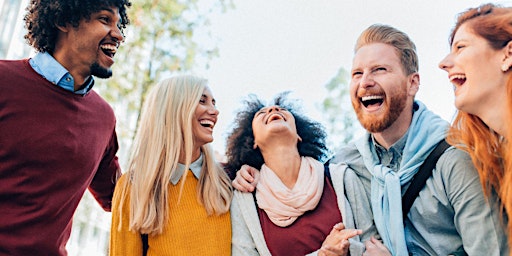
108	9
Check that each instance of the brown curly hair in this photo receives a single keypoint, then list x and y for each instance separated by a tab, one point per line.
43	17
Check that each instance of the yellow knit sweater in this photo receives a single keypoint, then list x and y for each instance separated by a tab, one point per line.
189	230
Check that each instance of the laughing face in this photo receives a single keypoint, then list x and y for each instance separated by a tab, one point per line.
474	69
205	118
379	88
271	121
89	49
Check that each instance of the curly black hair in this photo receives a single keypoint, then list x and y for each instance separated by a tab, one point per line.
43	17
239	148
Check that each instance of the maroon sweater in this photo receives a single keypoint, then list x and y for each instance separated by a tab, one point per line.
307	233
53	145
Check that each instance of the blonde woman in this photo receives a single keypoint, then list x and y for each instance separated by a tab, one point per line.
173	191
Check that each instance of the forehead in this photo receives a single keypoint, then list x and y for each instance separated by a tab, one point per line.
375	54
463	32
109	9
207	92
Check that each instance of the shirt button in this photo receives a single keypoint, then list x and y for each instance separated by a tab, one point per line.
68	79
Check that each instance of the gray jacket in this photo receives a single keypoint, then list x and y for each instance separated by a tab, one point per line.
450	213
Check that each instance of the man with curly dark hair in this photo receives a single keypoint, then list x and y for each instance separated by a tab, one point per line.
57	136
295	195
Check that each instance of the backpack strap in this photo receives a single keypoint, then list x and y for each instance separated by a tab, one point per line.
419	180
145	244
327	172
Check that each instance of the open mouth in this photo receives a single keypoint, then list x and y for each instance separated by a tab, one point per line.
207	123
372	100
458	79
109	50
274	117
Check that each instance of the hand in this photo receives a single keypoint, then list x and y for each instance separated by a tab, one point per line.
246	179
336	243
375	247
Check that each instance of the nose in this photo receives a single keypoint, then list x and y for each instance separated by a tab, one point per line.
212	110
367	80
446	63
274	108
117	34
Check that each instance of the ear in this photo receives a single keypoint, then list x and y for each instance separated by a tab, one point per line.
414	83
255	146
299	138
62	28
507	60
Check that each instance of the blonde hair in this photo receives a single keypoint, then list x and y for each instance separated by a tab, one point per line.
165	133
405	48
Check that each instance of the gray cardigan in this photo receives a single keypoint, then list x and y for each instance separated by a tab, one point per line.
248	236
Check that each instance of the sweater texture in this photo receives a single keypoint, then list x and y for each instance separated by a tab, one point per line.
53	145
188	231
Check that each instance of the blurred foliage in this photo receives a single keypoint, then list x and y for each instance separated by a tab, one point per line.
164	37
341	121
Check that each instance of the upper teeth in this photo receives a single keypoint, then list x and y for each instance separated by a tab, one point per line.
371	97
109	47
207	122
457	77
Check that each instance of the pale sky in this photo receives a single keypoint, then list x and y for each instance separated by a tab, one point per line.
269	46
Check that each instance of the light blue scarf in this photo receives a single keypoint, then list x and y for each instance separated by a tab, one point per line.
426	130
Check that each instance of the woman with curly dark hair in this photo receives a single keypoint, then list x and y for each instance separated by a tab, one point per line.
57	135
296	209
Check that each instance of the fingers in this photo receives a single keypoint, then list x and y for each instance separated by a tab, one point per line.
349	233
236	185
375	247
339	226
377	243
340	248
247	173
345	234
244	180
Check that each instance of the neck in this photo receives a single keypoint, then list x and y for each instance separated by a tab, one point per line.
79	74
496	117
195	155
285	162
393	133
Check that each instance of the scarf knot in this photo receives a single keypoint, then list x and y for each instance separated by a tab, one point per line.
425	131
284	205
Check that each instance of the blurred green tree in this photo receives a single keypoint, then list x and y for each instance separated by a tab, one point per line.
164	37
340	119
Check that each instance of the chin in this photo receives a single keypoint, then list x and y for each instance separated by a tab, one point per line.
100	72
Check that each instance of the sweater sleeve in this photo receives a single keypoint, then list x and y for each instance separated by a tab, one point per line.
123	242
103	183
243	243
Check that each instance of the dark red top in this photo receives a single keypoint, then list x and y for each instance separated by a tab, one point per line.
308	232
53	145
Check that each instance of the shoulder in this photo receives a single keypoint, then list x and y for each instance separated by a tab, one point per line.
122	185
456	174
455	162
241	200
345	154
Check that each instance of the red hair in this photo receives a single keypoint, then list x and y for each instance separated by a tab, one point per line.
490	152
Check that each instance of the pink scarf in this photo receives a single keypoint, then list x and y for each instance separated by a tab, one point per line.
283	205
